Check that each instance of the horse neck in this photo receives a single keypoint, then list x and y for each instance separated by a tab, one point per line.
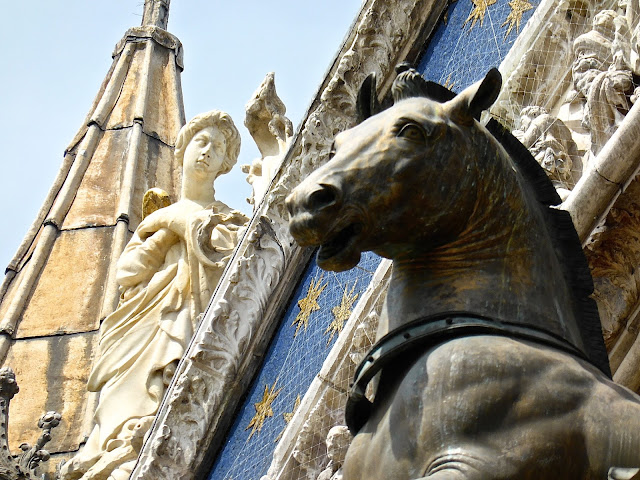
502	266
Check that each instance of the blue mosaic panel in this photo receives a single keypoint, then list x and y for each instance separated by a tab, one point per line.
308	330
472	37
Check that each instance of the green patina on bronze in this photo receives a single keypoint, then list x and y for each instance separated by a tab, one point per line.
467	217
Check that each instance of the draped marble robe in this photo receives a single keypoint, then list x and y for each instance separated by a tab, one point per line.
167	283
167	274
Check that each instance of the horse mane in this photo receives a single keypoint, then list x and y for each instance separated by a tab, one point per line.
567	246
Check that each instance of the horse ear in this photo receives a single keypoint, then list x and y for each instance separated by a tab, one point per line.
470	103
367	103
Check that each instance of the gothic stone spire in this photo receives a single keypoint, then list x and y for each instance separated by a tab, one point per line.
156	12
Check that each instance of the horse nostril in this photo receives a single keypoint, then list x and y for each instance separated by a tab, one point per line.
325	197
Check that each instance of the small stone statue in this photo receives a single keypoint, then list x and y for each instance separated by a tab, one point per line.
338	441
167	274
550	142
272	131
602	76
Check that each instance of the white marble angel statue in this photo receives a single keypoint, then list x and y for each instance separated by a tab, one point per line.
167	274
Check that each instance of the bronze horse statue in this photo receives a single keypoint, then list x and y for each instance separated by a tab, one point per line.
490	351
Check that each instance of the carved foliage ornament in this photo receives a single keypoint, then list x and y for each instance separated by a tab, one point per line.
24	465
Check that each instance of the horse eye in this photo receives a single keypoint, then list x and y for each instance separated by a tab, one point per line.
412	132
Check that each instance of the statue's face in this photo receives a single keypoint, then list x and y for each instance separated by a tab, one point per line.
585	69
204	155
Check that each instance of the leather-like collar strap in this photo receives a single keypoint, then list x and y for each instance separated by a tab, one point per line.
427	332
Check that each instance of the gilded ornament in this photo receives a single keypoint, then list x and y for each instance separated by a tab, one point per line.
341	312
479	11
518	7
288	416
263	408
154	199
308	305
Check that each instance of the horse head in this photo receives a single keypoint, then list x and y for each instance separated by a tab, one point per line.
462	209
410	165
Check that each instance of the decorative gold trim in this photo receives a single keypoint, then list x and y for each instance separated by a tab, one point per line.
478	12
263	408
309	304
341	312
518	7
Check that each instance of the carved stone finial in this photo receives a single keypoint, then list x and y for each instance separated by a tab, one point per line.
156	12
271	130
23	466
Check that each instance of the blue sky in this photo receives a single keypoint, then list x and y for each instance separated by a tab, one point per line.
56	54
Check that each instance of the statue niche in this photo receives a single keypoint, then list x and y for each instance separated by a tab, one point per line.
167	274
489	350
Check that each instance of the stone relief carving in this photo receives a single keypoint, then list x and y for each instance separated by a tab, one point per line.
167	274
338	441
601	77
271	131
216	354
576	65
266	256
25	465
552	145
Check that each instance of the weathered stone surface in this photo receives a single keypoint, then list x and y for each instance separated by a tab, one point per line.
156	168
154	79
163	119
97	200
123	114
68	294
52	374
613	254
9	295
49	468
97	197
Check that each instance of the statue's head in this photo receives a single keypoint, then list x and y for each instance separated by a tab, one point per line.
592	51
338	441
212	133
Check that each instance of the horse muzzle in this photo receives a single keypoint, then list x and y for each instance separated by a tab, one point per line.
312	209
317	217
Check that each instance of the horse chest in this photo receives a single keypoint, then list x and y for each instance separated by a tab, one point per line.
485	404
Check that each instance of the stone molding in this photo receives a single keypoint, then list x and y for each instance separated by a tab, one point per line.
244	310
158	35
